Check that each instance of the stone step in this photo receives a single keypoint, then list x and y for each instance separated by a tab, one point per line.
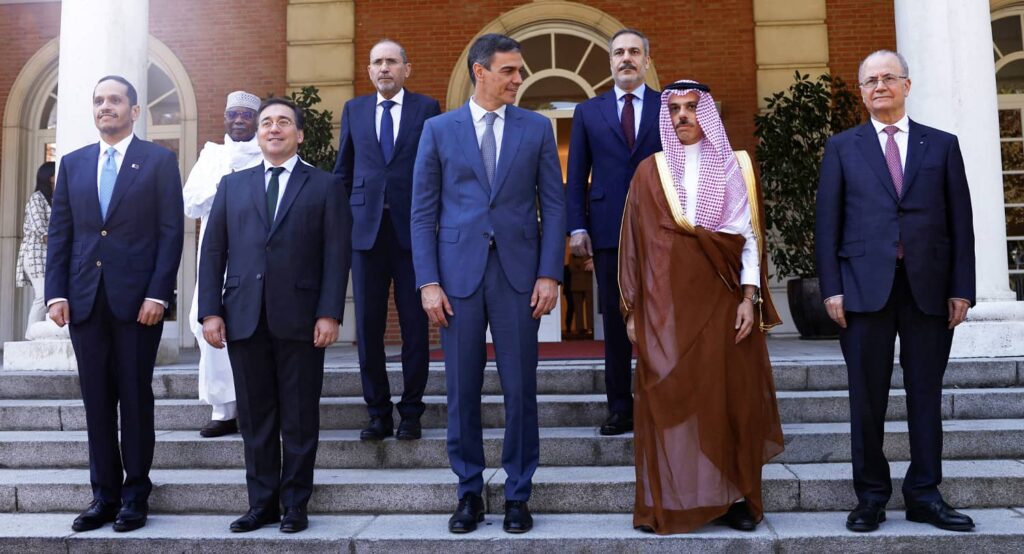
999	531
553	410
605	489
560	446
553	377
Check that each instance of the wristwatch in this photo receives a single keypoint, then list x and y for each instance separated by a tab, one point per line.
756	297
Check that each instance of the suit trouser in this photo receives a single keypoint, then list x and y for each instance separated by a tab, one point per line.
278	385
514	331
618	351
868	346
372	273
115	371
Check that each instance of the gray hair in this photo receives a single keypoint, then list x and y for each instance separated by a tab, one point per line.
630	31
903	62
401	49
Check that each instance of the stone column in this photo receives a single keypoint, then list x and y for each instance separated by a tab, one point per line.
948	45
97	38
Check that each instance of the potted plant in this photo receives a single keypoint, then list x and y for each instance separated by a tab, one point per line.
792	133
317	146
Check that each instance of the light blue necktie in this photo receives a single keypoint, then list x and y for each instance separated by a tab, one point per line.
489	147
108	176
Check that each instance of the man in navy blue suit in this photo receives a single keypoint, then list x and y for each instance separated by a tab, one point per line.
115	240
484	255
894	242
379	137
277	245
611	134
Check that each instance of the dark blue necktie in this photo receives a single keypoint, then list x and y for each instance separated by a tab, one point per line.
387	130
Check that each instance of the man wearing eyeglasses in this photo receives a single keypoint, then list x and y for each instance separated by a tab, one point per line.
239	151
277	244
895	249
380	134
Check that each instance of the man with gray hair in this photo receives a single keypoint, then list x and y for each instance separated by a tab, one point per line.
894	243
239	151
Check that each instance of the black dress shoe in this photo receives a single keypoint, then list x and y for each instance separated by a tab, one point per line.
941	515
132	516
409	429
254	519
98	513
617	424
219	428
469	512
379	429
866	517
517	517
738	517
294	520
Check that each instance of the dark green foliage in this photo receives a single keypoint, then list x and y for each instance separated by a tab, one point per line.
317	147
792	132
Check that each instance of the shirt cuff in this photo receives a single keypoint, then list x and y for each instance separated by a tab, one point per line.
427	285
839	296
750	276
53	301
157	300
964	299
577	231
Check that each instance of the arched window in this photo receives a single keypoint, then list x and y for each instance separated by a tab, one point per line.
1008	49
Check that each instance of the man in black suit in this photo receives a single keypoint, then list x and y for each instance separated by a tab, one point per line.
611	134
379	137
281	232
894	241
115	241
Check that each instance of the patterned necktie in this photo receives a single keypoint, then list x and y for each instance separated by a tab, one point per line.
629	120
489	147
387	130
108	176
892	159
272	192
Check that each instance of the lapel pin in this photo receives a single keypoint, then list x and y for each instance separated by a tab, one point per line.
135	166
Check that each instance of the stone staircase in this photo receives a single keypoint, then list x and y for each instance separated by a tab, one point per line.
396	496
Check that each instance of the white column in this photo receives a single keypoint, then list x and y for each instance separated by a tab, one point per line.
97	38
948	46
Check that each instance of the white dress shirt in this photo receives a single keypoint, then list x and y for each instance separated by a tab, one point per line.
396	113
902	137
120	147
282	179
481	125
638	105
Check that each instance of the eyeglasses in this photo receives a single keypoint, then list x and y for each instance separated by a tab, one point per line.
247	115
887	80
283	124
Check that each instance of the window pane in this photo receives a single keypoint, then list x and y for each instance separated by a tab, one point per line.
1010	78
1015	254
537	52
1013	189
546	93
1013	155
166	111
1009	123
596	68
569	51
1015	222
49	117
1006	34
158	82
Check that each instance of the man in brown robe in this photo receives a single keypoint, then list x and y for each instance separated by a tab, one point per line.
691	266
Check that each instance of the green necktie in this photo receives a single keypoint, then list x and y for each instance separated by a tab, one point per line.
272	192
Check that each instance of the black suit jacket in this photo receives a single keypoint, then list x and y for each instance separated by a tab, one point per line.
860	221
296	268
369	181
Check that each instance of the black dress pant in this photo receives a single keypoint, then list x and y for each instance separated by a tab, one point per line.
372	273
868	346
115	371
618	351
277	386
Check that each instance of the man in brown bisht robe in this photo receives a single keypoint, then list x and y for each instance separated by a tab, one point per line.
691	265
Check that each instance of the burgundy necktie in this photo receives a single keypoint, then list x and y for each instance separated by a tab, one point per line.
892	159
629	120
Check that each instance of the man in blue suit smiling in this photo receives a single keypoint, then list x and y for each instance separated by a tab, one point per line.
115	241
894	241
488	229
379	136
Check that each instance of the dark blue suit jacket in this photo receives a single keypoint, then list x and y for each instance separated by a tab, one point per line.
453	209
296	268
369	181
136	250
860	221
597	150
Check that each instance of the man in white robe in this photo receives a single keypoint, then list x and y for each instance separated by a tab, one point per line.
239	151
